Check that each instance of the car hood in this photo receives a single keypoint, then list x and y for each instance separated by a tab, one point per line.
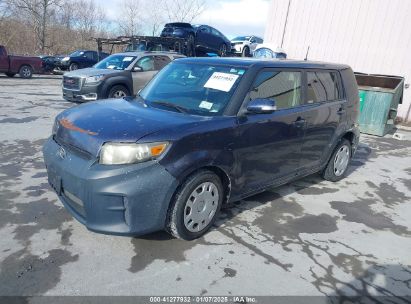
88	126
92	72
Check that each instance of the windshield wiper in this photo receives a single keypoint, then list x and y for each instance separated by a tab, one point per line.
171	105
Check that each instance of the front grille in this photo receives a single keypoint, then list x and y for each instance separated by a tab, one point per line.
71	83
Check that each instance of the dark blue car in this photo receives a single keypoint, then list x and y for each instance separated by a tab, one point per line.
80	59
203	132
204	38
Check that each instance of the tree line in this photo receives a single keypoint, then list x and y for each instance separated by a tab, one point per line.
61	26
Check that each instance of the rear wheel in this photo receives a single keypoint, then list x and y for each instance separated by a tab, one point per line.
118	91
338	163
10	74
222	50
26	72
195	206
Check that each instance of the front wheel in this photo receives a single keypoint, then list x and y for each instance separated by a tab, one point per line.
26	72
118	91
223	50
195	206
73	67
338	163
246	52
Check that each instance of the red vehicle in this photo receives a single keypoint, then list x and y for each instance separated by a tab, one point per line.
25	66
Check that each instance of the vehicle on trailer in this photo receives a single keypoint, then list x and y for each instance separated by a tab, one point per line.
245	45
146	43
116	76
203	132
25	66
206	39
267	50
80	59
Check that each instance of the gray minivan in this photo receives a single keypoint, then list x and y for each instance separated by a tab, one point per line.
118	75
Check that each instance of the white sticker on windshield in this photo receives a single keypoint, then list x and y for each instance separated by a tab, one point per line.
127	58
206	105
221	81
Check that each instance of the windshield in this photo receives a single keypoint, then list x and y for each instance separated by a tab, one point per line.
199	89
115	62
76	53
241	38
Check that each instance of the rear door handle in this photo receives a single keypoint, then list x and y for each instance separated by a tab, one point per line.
341	111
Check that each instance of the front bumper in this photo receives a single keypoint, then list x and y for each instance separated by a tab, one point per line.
86	93
120	200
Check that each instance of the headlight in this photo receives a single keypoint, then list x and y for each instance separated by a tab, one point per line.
92	80
65	59
122	153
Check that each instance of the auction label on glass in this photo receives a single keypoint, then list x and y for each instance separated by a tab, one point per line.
221	81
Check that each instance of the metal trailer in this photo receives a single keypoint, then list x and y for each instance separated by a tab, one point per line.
380	96
147	43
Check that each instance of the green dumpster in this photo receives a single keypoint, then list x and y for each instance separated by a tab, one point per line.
379	99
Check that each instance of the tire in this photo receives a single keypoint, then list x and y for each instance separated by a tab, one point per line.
222	51
338	163
73	66
190	222
246	52
26	72
118	91
10	74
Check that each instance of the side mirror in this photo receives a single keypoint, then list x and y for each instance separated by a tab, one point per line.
137	69
261	106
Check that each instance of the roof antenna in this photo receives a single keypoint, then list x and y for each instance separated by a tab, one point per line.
306	54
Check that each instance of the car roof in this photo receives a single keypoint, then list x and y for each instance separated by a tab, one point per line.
140	53
258	62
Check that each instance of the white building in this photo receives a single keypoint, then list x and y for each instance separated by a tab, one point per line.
372	36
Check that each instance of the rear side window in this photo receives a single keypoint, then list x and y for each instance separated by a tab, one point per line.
160	62
146	63
283	87
323	86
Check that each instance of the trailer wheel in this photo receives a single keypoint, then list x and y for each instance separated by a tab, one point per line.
26	72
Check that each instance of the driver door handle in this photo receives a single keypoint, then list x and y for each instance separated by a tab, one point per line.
299	123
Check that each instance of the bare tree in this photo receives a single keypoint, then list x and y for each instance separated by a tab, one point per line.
183	10
153	16
39	12
130	17
88	20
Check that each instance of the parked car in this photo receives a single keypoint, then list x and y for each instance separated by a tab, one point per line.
268	50
116	76
203	132
80	59
25	66
245	45
205	39
49	62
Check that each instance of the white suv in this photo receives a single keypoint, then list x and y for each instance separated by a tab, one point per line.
245	45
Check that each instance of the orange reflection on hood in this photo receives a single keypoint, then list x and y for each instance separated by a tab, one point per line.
69	125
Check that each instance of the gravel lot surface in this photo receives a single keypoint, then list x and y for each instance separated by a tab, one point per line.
311	237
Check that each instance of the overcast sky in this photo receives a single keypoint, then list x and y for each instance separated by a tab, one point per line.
231	17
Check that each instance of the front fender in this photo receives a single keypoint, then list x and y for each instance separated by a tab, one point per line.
191	162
